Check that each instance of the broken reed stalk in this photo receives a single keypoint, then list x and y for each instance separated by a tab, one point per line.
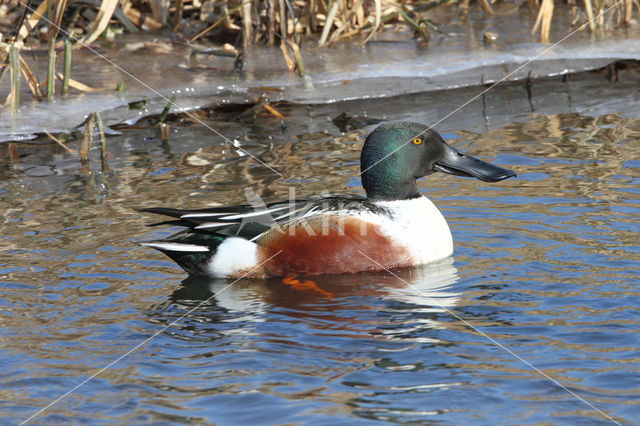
224	18
32	81
298	56
177	15
589	10
377	22
271	25
283	20
246	22
544	20
94	121
547	15
59	142
486	7
51	69
103	142
628	4
165	131
67	67
14	61
329	22
287	58
14	157
165	111
87	140
294	33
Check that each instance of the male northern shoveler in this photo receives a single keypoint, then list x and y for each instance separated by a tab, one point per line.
393	226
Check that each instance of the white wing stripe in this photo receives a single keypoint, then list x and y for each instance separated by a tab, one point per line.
176	246
252	214
289	213
208	225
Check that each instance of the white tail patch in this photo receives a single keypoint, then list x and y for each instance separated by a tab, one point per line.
233	255
160	245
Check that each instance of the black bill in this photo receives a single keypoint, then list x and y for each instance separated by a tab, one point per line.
461	164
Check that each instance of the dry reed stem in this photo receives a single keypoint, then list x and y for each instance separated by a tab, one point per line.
354	11
246	22
547	15
103	142
51	69
209	28
177	14
52	31
67	67
61	6
359	10
141	20
14	62
271	25
165	131
107	8
228	23
464	8
287	58
589	10
376	25
298	56
159	10
308	16
485	6
544	20
341	37
283	22
14	157
77	85
34	87
329	22
627	11
59	142
273	111
87	140
30	23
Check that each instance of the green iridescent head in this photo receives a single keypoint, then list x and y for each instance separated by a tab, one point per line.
395	154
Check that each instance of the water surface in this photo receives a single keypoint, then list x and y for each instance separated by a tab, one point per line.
544	274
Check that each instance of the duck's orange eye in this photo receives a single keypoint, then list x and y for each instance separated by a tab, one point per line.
417	141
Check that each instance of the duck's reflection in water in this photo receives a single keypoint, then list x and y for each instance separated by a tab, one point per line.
381	303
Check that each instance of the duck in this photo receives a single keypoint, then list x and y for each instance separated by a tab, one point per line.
393	226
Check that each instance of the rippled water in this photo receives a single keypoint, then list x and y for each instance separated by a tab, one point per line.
534	319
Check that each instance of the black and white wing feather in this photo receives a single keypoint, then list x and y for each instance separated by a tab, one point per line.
249	221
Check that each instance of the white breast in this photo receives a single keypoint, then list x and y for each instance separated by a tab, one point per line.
419	226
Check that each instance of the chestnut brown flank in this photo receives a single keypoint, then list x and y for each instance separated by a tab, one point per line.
311	247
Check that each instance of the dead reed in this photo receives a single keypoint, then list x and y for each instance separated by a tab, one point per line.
93	123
